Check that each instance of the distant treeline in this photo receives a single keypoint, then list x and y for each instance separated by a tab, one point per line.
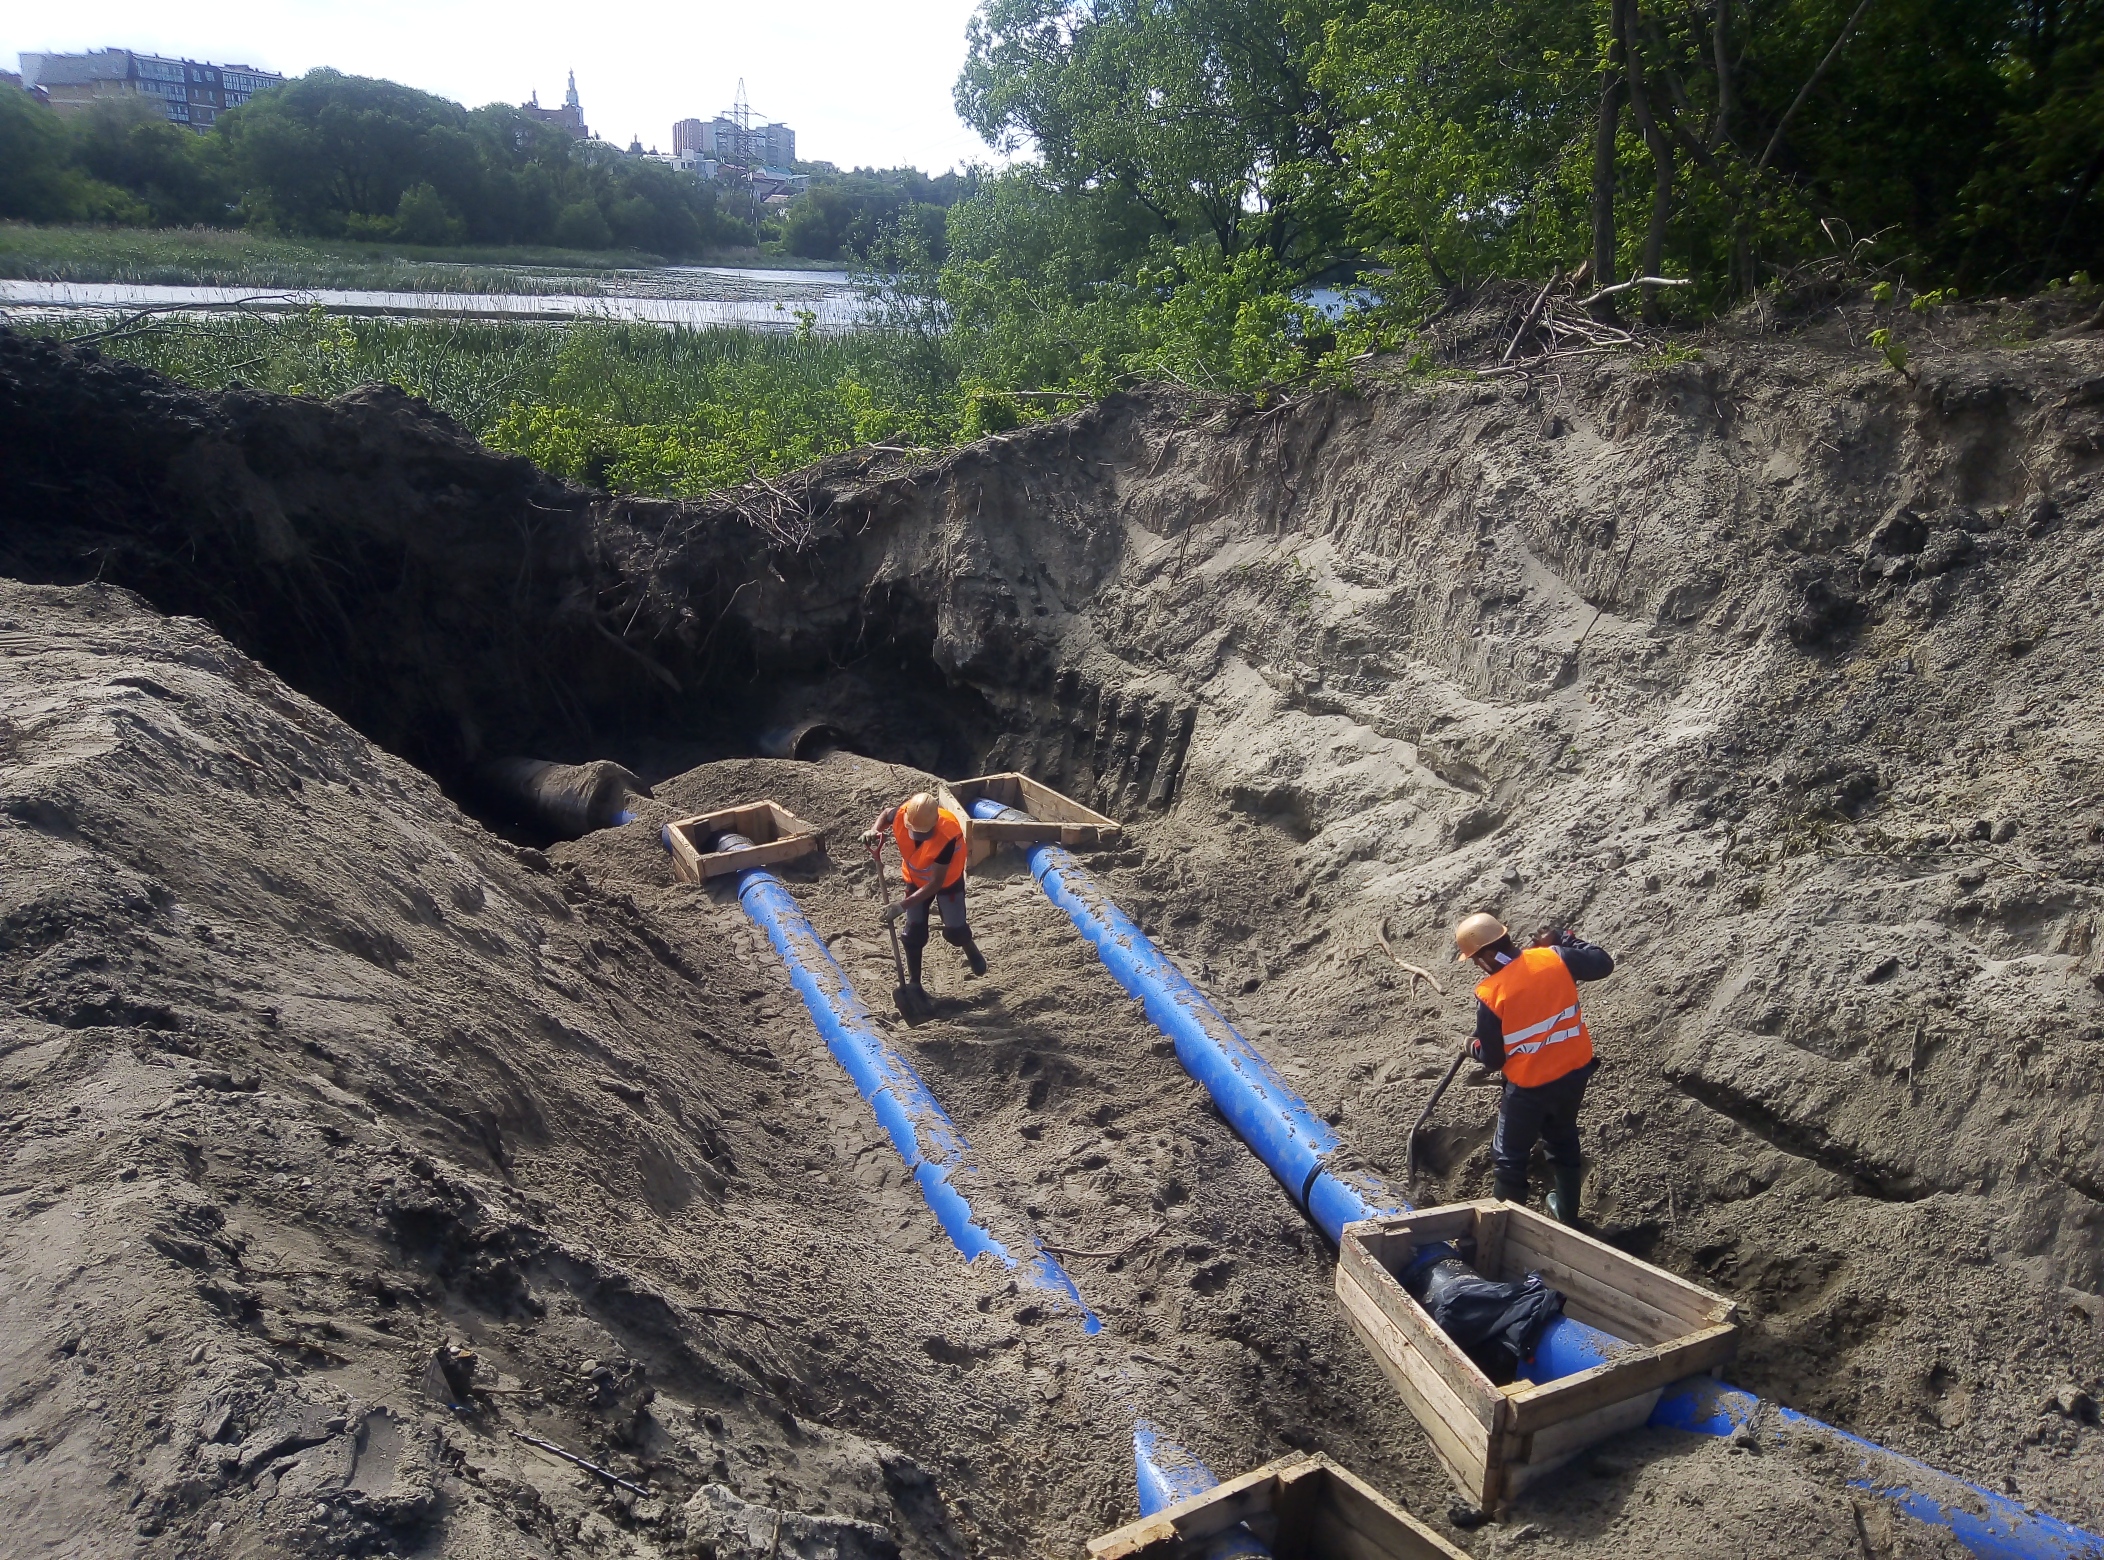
335	156
854	215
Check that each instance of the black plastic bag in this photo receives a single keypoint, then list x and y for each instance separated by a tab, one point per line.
1496	1325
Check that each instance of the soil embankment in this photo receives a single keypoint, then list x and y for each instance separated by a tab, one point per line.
1776	673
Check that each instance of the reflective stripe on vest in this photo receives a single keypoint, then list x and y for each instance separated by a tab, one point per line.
1536	1002
919	856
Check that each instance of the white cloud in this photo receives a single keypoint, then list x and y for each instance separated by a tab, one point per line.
861	84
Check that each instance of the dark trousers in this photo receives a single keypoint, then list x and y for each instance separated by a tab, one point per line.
1549	1113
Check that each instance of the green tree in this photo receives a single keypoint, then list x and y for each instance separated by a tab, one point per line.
1202	117
39	181
179	176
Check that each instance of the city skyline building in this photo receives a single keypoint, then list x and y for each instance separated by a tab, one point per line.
189	92
732	137
569	117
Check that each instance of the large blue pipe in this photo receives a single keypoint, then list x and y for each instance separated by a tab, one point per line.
1167	1473
919	1128
1294	1144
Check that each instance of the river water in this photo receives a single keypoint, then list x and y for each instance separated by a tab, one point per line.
676	295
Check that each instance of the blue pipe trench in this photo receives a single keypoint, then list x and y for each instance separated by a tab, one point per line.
1297	1146
934	1150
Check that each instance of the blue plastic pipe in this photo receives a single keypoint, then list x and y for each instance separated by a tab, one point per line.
1166	1474
919	1128
1293	1142
1295	1145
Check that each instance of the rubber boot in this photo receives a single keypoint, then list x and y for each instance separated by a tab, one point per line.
1563	1196
974	957
913	961
1509	1191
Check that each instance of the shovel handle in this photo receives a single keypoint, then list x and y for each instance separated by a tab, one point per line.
1425	1115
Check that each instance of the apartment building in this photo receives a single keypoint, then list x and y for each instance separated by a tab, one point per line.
189	92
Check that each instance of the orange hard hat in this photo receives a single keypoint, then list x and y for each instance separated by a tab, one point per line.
1476	933
922	811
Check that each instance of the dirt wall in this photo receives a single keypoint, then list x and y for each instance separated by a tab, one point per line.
1771	670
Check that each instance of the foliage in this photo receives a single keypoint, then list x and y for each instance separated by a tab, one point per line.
178	176
1183	118
844	216
1434	143
238	257
345	156
636	407
39	178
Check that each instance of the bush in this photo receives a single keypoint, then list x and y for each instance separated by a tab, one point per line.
580	226
422	218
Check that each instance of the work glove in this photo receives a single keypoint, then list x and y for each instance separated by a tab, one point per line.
1555	937
1475	1051
891	913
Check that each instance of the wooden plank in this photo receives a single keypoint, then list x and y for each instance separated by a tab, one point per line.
686	859
1627	1375
1463	1448
1383	1247
1041	801
1490	1237
1391	1531
1461	1374
1429	1225
1135	1538
724	861
1613	1420
1587	1299
1224	1505
1687	1303
1200	1517
1560	1440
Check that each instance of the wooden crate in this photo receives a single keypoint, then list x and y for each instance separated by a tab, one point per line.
1053	817
776	833
1302	1507
1494	1441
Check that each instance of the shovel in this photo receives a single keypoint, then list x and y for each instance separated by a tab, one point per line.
1424	1116
911	1008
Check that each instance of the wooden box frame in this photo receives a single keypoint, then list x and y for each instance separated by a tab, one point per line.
1054	817
777	835
1495	1441
1302	1507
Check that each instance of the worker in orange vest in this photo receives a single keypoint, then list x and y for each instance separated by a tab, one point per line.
1528	1023
931	846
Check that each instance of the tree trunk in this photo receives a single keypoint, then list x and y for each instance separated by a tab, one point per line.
1661	160
1720	43
1613	84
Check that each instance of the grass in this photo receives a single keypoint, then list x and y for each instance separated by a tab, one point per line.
235	257
639	408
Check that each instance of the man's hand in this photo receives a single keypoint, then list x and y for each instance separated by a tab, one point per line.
1555	937
892	912
1475	1050
873	838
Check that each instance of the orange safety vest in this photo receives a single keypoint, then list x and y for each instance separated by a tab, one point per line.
919	855
1537	1006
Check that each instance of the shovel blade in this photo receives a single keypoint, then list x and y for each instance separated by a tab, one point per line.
911	1008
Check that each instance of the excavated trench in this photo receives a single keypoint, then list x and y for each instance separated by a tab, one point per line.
1773	672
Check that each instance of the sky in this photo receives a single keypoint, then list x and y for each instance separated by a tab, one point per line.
863	84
